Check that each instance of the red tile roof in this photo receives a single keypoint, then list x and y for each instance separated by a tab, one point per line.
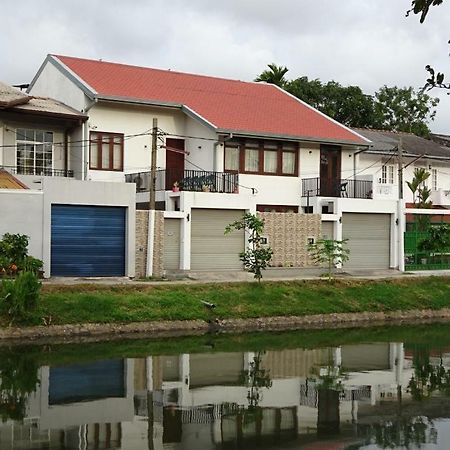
233	105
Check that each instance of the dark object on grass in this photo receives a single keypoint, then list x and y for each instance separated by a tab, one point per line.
208	305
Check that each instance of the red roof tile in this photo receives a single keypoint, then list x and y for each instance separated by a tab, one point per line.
239	106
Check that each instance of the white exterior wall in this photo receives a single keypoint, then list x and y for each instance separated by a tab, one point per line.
309	160
373	164
21	211
29	211
131	120
201	151
52	83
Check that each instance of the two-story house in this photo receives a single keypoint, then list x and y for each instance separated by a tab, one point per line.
224	147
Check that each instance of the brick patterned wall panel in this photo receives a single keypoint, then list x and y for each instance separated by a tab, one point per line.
288	235
141	242
158	245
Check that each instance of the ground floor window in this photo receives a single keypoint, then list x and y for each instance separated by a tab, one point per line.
34	151
277	208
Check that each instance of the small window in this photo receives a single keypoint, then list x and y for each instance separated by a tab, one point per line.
106	151
387	174
434	179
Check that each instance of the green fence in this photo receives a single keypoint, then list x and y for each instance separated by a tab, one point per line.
417	231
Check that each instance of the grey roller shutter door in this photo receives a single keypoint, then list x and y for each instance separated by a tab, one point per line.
172	244
210	248
368	240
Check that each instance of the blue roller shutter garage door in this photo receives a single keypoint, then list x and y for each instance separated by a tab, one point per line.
88	241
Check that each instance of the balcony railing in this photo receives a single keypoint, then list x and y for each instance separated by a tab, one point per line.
316	187
39	171
186	180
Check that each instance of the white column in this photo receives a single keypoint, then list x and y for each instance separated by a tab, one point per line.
150	243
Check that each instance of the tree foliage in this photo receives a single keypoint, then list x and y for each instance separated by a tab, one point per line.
329	252
257	256
391	108
274	75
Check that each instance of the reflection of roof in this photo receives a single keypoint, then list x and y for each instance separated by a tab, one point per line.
227	105
387	141
8	181
13	100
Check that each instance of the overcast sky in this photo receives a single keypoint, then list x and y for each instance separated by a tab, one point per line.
368	43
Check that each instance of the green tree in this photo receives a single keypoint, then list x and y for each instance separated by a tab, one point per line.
329	252
258	255
404	109
275	75
391	108
346	104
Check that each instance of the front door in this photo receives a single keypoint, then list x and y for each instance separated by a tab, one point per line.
174	162
330	171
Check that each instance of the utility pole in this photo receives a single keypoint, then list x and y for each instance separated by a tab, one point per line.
152	203
400	168
400	210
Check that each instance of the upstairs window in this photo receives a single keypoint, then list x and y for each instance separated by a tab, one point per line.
34	152
106	151
261	157
387	174
434	179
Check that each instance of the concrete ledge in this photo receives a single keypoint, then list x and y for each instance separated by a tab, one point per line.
99	332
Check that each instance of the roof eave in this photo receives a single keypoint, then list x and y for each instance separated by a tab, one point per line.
288	137
408	155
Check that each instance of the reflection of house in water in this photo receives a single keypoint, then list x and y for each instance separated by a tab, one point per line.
201	401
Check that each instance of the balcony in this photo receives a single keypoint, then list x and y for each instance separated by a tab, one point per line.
187	180
316	187
38	171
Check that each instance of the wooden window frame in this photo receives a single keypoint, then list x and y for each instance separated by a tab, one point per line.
279	149
99	140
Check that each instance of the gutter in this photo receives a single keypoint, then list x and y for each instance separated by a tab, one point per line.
85	137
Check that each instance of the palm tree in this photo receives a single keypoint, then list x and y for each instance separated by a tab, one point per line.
274	76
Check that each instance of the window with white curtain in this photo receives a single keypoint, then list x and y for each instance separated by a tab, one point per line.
251	160
232	159
270	161
288	163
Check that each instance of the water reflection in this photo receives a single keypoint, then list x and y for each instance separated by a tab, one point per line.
379	395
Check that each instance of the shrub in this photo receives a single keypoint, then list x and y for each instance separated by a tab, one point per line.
14	256
20	296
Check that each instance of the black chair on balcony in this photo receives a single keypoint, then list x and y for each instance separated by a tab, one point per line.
343	189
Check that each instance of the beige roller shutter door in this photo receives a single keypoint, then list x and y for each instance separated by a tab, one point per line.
210	248
327	230
368	240
172	244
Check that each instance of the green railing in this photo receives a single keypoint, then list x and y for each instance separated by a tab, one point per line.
419	259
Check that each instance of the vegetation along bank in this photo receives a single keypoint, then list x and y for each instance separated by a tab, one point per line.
93	309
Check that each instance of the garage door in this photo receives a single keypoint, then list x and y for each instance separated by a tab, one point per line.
368	240
172	244
87	241
210	248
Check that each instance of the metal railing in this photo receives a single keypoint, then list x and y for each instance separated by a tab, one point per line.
39	171
316	187
186	180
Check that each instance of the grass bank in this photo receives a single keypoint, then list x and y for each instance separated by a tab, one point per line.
138	303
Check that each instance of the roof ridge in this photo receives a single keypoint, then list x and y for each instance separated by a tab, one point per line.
177	72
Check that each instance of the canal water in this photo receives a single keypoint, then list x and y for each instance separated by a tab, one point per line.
369	388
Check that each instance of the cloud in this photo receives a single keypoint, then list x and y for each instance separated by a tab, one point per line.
360	42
